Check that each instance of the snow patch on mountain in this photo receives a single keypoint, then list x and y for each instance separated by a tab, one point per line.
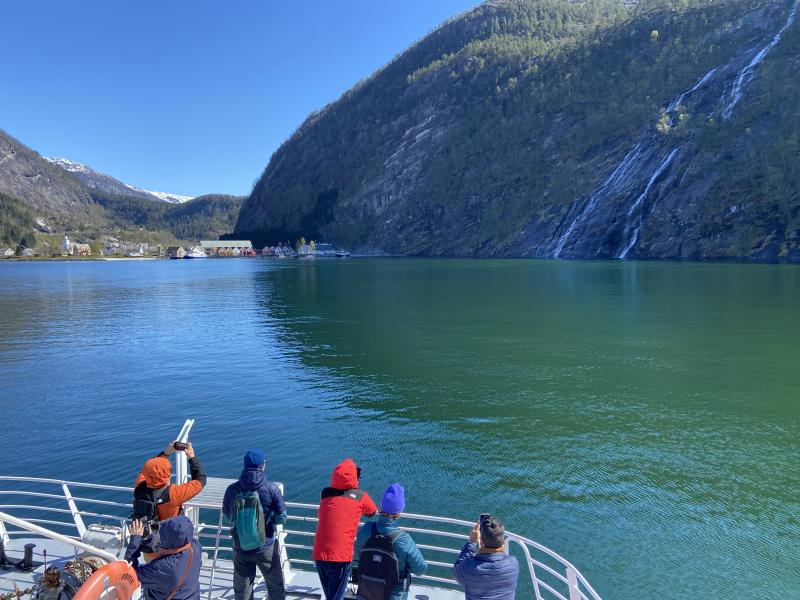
98	180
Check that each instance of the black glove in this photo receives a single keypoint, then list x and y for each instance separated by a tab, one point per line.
354	575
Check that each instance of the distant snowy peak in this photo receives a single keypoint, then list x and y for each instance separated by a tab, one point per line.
174	198
70	165
106	183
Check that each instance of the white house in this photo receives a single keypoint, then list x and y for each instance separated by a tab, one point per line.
7	252
81	250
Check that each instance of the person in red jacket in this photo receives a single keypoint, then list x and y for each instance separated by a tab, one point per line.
340	508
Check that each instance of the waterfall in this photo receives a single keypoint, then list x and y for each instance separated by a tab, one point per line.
616	177
746	74
673	106
642	152
659	170
620	173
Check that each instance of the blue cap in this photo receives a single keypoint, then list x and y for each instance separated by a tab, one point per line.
394	499
254	458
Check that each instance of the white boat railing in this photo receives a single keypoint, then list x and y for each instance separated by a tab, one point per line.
67	507
552	577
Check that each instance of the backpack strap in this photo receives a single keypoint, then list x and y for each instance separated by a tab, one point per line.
156	496
392	535
185	573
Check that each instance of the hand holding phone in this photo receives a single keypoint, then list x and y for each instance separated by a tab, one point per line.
475	534
180	445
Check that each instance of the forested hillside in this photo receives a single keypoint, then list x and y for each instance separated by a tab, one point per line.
548	128
33	188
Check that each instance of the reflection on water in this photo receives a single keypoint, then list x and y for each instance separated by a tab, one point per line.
641	419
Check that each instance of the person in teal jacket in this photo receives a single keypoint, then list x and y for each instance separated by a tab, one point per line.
409	558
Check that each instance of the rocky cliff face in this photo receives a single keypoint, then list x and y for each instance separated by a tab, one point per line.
44	187
555	129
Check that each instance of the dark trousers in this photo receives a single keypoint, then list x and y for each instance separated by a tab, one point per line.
268	562
333	576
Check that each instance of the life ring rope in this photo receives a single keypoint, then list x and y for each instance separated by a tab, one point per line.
121	576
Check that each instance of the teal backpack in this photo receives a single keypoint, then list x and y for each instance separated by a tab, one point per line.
249	520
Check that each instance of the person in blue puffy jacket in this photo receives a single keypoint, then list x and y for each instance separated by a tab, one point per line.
174	574
484	568
409	558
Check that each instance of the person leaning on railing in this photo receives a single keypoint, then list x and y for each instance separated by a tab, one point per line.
390	555
484	567
341	507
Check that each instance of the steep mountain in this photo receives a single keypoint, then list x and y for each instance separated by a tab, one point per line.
39	197
553	128
40	185
107	183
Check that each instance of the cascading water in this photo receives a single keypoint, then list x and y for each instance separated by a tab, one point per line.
636	160
617	177
675	104
746	74
658	172
622	172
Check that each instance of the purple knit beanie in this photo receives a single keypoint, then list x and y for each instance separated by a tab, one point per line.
394	499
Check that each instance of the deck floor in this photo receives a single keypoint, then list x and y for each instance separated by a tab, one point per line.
299	584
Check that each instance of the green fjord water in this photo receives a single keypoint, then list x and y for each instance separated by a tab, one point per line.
641	419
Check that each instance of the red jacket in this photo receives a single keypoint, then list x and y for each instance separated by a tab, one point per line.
340	509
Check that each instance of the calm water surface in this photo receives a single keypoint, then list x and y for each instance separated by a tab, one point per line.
640	419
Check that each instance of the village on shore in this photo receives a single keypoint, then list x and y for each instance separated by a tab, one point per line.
205	249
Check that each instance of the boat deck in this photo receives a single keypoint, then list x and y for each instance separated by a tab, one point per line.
299	584
55	515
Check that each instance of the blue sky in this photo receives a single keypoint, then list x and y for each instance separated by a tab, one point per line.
189	97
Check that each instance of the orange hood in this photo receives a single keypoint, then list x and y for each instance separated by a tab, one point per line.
157	471
344	476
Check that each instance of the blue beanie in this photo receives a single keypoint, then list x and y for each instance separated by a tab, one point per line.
394	499
254	458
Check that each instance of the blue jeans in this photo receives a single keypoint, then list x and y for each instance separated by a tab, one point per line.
268	562
334	577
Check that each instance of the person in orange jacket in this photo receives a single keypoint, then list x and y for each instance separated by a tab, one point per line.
154	498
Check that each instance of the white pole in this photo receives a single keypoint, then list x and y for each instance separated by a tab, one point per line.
572	582
56	536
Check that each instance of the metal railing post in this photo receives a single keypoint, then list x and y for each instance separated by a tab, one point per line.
182	469
280	536
6	539
572	583
216	554
73	508
181	464
531	570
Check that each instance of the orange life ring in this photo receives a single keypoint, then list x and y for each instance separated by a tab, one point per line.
120	575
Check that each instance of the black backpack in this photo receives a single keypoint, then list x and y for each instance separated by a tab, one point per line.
378	567
146	501
145	506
